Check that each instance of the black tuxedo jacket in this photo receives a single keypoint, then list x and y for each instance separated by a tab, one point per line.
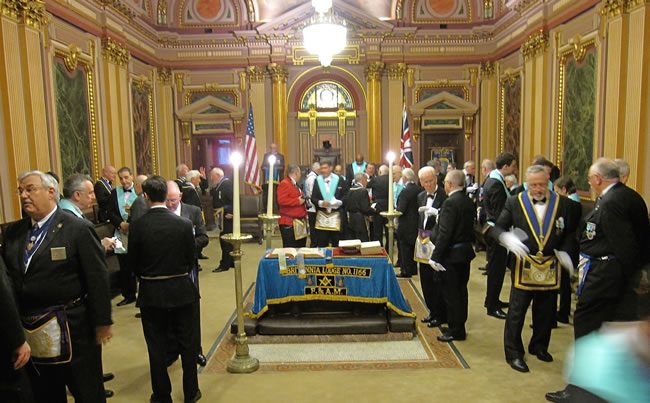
81	271
349	174
317	196
379	186
138	208
102	195
222	196
114	215
357	201
407	204
162	244
454	231
194	214
191	196
12	335
440	197
494	198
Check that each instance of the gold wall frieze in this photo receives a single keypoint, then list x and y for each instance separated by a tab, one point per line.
374	70
165	75
441	84
180	19
612	8
141	83
278	72
255	74
487	69
115	52
414	20
210	88
351	54
120	7
536	44
29	12
71	58
396	71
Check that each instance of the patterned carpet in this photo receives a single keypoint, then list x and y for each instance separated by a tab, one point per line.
343	352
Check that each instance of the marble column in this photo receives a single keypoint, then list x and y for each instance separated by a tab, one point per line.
165	107
279	75
373	74
489	135
395	106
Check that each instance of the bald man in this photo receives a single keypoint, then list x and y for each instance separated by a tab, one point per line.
359	165
139	206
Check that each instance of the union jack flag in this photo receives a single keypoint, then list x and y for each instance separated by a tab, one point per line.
251	169
405	153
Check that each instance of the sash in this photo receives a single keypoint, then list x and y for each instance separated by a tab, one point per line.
537	273
356	168
328	222
300	228
120	201
495	174
328	196
107	184
541	228
423	247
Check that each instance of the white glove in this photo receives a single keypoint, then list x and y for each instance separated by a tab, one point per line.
436	266
472	189
520	233
512	242
565	260
429	211
335	203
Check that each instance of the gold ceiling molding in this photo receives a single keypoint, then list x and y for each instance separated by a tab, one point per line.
235	5
29	12
120	7
278	72
487	69
255	74
373	70
536	44
165	75
396	71
115	52
442	21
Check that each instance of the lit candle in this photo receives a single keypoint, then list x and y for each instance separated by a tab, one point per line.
235	160
269	206
391	202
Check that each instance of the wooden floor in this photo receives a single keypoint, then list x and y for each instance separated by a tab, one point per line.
489	378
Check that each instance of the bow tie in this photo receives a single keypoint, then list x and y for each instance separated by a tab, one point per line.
543	201
127	190
430	196
327	181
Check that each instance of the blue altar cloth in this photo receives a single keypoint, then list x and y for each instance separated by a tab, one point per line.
354	279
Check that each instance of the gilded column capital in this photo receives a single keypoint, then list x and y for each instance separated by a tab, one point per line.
396	71
256	74
536	44
278	72
115	52
165	75
373	70
612	8
487	69
29	12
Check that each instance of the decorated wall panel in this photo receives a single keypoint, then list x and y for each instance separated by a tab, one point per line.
441	11
208	13
511	114
143	138
71	86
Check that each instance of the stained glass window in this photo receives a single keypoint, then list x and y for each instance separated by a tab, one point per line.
326	95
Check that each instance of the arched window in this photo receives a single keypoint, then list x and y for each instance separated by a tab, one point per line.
326	95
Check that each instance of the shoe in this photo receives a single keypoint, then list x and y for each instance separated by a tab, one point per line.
126	301
196	397
427	319
543	356
153	399
503	304
483	268
518	364
220	269
402	275
435	323
108	376
109	393
138	315
562	319
201	360
450	337
203	257
484	273
559	396
497	313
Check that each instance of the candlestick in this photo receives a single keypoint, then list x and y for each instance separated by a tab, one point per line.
235	160
269	205
391	202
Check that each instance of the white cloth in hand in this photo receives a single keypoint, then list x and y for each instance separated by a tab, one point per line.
472	189
336	203
436	266
511	241
565	260
428	211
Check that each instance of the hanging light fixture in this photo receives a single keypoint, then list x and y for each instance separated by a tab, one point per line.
325	35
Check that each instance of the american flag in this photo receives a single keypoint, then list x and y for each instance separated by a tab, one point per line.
405	152
251	169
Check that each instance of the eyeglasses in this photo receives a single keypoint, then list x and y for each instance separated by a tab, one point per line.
29	190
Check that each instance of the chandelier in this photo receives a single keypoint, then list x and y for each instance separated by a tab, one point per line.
325	35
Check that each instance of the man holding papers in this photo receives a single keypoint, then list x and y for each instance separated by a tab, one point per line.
326	197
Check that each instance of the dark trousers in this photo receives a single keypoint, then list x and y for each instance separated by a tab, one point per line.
454	293
430	281
226	247
82	375
496	271
357	227
156	324
408	266
289	239
590	314
14	385
544	303
324	238
312	228
377	229
565	292
126	277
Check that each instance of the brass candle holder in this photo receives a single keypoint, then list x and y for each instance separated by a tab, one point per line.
243	363
390	224
269	226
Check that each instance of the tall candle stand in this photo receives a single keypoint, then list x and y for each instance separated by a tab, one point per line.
390	224
243	363
269	226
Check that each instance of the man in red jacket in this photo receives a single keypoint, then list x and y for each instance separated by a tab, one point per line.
293	213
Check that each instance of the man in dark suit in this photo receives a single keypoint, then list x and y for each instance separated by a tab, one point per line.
162	252
222	196
54	247
379	191
327	197
181	172
14	350
139	206
359	165
407	204
545	219
357	206
192	189
495	193
429	202
103	189
192	213
453	236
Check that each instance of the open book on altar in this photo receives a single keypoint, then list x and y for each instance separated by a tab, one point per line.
371	248
293	252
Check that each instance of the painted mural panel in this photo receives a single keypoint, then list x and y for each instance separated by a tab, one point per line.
425	92
142	129
579	119
512	115
72	117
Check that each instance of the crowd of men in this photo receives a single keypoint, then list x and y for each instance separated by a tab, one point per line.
536	229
